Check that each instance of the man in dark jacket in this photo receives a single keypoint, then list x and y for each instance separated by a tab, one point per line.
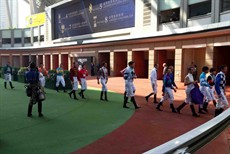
32	78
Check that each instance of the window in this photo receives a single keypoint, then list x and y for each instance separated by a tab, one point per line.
42	38
17	40
169	10
35	38
27	40
202	7
6	40
170	15
224	5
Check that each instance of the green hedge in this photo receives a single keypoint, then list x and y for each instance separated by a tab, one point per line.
51	80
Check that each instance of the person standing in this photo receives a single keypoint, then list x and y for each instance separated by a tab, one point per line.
60	77
82	80
164	69
32	78
92	69
7	70
168	94
220	90
103	76
42	76
129	76
204	88
189	83
74	80
153	79
211	81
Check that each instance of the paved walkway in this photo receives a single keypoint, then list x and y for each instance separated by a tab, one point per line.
148	128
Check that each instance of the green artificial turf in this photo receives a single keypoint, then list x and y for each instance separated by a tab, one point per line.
67	124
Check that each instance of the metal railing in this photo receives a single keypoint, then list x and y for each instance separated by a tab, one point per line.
196	138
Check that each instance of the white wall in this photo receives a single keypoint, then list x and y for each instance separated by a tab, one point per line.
23	12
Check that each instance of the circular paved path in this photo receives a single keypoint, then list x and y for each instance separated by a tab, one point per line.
148	128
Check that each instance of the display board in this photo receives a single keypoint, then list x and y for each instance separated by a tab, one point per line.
81	17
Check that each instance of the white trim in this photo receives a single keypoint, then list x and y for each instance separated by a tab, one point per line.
15	54
165	48
140	49
4	54
221	44
120	50
101	51
194	46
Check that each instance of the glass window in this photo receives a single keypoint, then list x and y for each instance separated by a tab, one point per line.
170	15
6	40
224	5
42	38
168	4
35	38
169	10
17	40
199	8
26	39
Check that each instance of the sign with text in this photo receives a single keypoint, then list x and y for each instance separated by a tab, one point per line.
87	17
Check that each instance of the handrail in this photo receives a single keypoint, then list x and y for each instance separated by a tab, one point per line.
196	138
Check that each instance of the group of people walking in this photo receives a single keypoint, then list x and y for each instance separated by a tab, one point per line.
209	86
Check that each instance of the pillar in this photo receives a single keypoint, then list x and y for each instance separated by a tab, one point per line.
37	63
178	61
51	61
209	53
183	13
21	60
111	63
44	60
130	56
69	62
59	59
151	61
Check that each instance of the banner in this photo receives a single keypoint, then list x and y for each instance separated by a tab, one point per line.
35	20
87	17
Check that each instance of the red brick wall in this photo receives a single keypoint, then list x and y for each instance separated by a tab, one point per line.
120	62
141	62
64	60
47	63
55	62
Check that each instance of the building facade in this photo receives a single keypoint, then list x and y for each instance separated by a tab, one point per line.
177	32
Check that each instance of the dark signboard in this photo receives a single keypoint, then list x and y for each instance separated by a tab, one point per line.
90	16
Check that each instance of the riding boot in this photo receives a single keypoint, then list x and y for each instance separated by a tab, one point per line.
205	106
193	111
147	97
172	107
158	106
57	89
102	95
134	103
5	85
11	86
64	90
200	110
155	99
125	102
106	96
217	111
82	94
40	109
29	113
180	107
214	103
74	95
70	94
